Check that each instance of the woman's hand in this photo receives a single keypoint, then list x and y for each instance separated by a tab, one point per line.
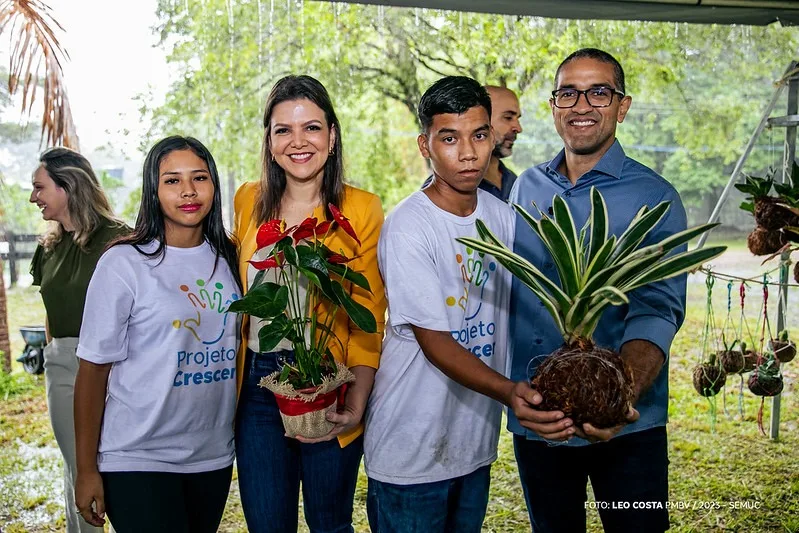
354	405
344	420
90	497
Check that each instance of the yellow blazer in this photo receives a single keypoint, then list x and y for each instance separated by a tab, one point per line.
365	213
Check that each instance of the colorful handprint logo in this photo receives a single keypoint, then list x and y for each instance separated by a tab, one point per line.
475	273
208	302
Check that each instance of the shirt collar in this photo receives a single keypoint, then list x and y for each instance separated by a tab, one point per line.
610	164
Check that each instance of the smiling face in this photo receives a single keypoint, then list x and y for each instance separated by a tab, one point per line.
505	115
186	195
51	199
586	130
300	139
459	148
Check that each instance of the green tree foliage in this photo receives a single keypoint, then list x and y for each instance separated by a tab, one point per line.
698	90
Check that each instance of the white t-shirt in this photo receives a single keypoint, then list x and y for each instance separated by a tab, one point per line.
172	388
421	426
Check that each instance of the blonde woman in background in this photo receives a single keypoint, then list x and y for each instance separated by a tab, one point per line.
69	195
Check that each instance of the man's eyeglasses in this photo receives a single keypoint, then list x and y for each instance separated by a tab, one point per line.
596	96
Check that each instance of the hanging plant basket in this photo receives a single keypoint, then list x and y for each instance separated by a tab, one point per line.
304	411
732	361
709	379
766	379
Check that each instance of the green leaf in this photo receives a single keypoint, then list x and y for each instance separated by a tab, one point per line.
672	242
610	294
599	224
350	275
564	221
359	314
507	259
676	265
558	245
271	334
635	234
266	301
259	277
748	206
311	259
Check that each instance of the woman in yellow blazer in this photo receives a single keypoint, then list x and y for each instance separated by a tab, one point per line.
302	174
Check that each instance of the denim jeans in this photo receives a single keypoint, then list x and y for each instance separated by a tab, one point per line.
455	505
628	470
271	466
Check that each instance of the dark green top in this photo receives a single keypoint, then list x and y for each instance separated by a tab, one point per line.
64	273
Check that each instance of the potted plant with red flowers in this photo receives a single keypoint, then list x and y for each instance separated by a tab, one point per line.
312	382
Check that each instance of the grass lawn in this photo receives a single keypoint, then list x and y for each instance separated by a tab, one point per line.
731	477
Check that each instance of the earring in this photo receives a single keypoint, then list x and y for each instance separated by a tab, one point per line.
273	156
330	152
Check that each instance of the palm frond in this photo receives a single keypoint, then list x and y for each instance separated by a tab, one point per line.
34	44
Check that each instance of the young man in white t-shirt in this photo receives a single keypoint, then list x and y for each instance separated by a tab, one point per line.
431	435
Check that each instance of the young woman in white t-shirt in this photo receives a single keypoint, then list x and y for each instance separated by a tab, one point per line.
156	388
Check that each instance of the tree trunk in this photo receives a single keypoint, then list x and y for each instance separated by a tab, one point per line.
5	341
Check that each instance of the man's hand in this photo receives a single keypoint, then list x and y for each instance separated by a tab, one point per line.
550	425
90	498
592	434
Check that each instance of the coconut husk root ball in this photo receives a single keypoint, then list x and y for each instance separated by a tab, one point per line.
784	351
732	361
591	385
750	361
765	242
770	216
709	379
764	384
796	272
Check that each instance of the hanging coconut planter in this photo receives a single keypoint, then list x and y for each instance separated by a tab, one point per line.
765	242
732	361
595	270
783	348
766	379
709	379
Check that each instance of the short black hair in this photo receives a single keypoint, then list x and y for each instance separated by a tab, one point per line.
598	55
453	94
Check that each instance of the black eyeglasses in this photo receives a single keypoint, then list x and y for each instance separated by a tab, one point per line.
595	96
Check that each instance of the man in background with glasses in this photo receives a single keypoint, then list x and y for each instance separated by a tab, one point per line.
628	464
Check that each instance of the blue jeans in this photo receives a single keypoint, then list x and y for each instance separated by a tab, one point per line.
455	505
271	465
625	472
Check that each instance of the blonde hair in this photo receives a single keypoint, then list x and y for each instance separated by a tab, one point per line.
86	202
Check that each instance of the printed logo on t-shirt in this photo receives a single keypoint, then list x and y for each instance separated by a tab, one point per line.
476	272
209	360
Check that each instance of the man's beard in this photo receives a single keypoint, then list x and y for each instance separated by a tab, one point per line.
500	151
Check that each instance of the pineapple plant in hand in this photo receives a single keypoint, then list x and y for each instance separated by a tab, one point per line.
586	382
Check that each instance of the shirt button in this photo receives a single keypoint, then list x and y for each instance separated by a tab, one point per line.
567	194
539	341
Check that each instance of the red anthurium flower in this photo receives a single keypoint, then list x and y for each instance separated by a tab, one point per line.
322	228
343	221
304	230
271	232
338	259
270	262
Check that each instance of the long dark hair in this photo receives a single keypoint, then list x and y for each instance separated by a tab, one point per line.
150	221
273	177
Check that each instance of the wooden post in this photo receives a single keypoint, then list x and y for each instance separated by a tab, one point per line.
5	340
12	258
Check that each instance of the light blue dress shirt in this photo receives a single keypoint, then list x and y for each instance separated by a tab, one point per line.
655	312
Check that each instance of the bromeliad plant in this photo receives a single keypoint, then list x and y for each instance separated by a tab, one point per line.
595	270
300	251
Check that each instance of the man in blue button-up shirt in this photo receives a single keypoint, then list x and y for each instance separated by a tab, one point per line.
627	465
